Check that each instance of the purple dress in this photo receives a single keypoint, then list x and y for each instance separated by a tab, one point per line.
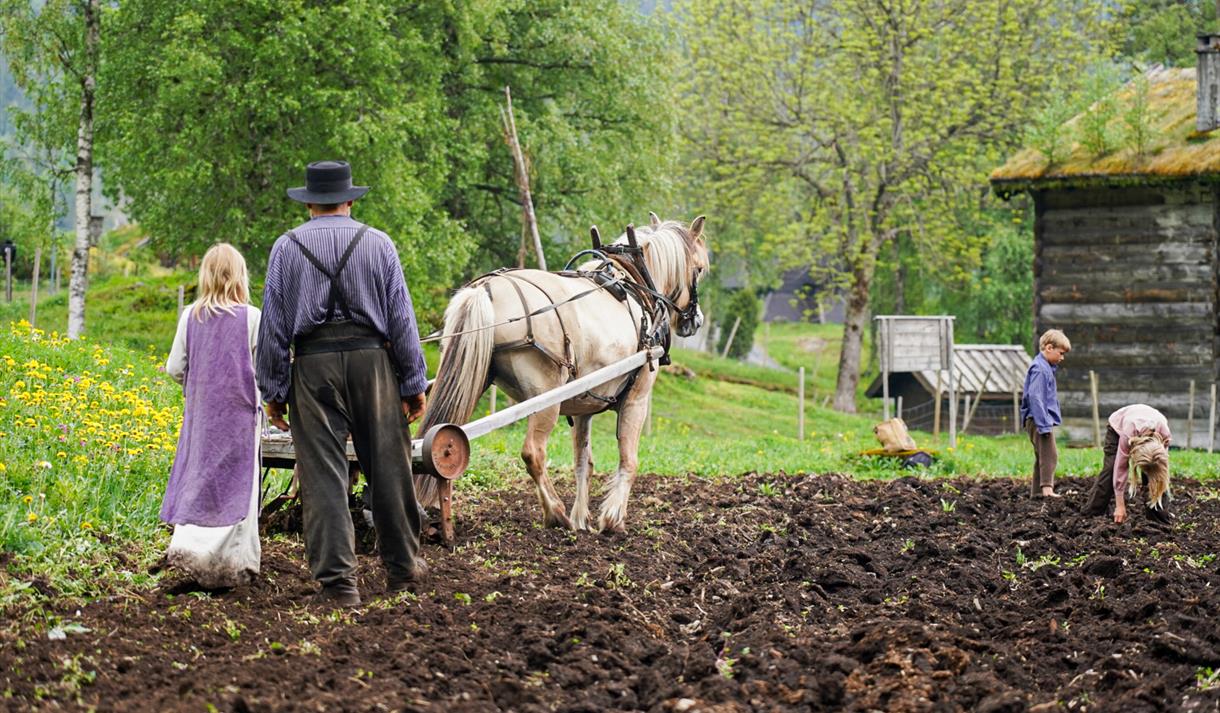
210	484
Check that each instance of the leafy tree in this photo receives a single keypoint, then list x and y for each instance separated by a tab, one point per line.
858	120
1163	31
1137	118
592	97
1000	310
216	107
1093	127
1047	132
742	305
54	50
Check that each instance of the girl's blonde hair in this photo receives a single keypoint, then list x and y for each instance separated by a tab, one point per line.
1149	455
223	281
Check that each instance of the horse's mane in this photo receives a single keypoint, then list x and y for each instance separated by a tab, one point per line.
666	252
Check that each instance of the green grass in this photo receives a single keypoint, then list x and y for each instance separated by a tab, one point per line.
135	312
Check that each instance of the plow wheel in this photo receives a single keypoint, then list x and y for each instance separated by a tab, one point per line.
445	455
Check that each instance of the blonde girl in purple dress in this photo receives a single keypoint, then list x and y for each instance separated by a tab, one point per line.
212	495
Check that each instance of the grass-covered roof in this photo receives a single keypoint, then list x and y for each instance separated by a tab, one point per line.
1174	149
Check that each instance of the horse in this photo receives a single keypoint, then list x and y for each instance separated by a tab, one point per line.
529	331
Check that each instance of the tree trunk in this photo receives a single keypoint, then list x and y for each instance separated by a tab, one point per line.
84	172
900	278
854	322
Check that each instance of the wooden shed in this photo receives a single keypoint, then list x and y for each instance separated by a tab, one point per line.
987	373
1125	258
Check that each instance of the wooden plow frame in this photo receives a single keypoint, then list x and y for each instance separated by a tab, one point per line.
444	450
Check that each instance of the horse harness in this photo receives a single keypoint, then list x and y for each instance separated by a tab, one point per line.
654	325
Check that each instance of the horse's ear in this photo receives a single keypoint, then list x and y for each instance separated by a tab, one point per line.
653	220
696	228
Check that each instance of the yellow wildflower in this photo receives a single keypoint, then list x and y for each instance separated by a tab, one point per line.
86	525
31	517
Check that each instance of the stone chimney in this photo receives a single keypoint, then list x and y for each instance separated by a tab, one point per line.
1207	76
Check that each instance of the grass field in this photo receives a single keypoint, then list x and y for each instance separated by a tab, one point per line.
88	429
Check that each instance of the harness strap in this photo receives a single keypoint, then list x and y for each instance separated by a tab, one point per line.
336	290
529	341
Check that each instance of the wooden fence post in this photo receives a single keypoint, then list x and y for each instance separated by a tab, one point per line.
936	408
1190	415
1096	415
8	277
732	333
493	398
1211	423
34	286
1016	411
898	407
800	407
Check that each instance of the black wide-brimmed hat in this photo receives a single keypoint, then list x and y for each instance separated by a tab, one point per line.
327	182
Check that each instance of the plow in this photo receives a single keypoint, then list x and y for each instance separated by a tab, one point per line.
444	449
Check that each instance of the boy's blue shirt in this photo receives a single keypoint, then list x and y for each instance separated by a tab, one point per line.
1041	399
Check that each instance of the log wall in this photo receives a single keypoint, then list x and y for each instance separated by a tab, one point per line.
1130	275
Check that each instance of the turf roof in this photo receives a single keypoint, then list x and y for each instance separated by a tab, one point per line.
1176	150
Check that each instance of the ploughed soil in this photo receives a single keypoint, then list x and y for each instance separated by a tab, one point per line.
766	592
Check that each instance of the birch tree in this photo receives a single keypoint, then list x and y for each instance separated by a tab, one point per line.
54	49
820	130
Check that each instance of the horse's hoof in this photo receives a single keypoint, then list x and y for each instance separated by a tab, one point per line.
559	520
613	529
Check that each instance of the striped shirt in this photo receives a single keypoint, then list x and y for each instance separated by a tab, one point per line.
297	294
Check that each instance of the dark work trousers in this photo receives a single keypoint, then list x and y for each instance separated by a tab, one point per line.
1101	496
1046	458
356	392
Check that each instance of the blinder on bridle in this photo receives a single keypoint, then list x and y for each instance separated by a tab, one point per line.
690	317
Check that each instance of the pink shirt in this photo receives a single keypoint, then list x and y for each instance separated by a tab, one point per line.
1128	421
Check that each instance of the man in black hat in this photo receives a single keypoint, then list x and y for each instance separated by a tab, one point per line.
336	295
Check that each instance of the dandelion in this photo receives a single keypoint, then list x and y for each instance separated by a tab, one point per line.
28	499
31	517
86	525
61	454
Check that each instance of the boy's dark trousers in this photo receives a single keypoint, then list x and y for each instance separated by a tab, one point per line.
335	393
1101	495
1046	458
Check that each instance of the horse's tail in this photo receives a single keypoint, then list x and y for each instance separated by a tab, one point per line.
466	347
